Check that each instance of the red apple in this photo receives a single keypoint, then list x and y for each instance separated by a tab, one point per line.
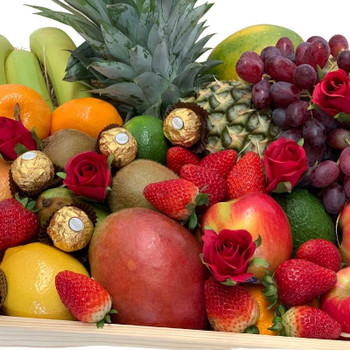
336	302
344	224
151	266
260	215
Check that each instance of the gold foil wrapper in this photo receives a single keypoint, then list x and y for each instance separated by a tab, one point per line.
121	143
70	229
32	171
182	126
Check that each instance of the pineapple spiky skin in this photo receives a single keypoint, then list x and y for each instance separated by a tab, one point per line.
233	121
141	55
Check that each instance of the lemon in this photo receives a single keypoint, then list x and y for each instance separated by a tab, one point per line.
30	272
151	142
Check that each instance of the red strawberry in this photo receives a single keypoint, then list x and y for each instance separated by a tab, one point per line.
299	281
84	297
221	162
309	322
17	223
229	308
176	198
320	252
246	176
207	181
178	156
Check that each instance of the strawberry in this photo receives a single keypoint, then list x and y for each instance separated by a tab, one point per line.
320	252
246	176
84	297
229	308
310	322
176	198
299	281
178	156
18	224
221	162
207	180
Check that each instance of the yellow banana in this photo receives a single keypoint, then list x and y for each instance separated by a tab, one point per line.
22	67
52	47
5	49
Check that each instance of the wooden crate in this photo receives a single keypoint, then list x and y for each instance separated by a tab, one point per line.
16	331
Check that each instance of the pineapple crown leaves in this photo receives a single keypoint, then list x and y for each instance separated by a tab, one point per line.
140	53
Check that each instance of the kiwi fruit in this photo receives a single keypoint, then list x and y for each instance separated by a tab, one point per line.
128	183
65	144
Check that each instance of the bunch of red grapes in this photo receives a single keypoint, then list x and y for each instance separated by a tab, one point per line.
283	80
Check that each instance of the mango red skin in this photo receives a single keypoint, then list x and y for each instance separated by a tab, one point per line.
150	265
259	214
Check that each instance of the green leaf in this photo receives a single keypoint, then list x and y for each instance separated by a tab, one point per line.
321	73
283	187
258	242
113	70
252	330
100	324
301	142
202	198
20	149
259	262
61	174
313	106
193	221
140	60
113	311
342	117
36	138
229	282
110	160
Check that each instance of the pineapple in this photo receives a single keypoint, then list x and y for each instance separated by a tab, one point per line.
233	121
142	56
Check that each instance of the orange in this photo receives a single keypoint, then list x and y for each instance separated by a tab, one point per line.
266	315
89	115
4	180
34	110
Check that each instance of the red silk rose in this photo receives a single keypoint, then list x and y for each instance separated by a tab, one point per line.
88	175
332	94
285	162
13	132
227	254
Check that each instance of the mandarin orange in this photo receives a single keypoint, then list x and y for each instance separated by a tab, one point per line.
34	110
4	180
89	115
266	315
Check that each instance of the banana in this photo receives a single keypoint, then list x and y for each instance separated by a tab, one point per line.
5	49
52	47
22	67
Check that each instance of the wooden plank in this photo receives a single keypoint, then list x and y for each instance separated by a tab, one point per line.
15	331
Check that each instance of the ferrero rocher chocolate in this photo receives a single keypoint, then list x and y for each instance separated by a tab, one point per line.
182	126
32	171
121	143
70	229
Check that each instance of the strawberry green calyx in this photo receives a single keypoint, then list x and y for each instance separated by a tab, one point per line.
201	199
277	325
26	202
106	319
270	289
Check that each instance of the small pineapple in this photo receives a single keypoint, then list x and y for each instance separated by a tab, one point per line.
142	55
233	121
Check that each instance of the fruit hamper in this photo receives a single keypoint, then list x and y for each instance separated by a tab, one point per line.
151	198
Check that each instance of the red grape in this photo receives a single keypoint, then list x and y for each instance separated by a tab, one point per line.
337	44
346	186
291	134
304	77
334	198
261	94
317	54
279	117
314	132
300	52
268	52
314	38
250	67
327	120
297	113
280	68
286	47
344	161
343	61
284	93
324	174
339	138
313	154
